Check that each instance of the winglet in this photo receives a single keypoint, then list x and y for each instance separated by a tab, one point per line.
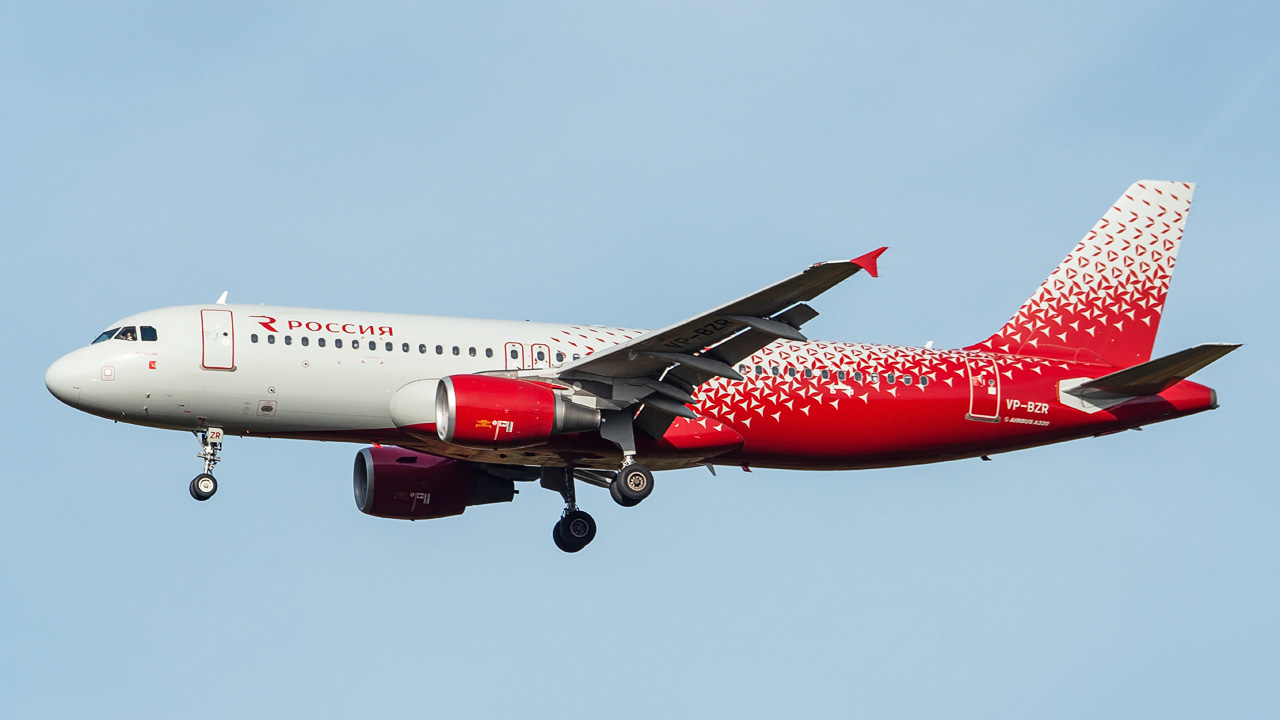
868	262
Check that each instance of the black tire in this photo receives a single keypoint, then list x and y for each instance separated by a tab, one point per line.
203	487
555	535
634	482
616	493
577	529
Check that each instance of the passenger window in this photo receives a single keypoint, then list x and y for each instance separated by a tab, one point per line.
542	355
422	348
924	380
791	372
439	349
826	374
319	342
857	376
148	333
840	375
576	356
808	372
774	371
288	339
471	352
271	339
106	335
515	354
404	347
355	345
759	370
373	345
906	379
337	342
129	333
253	338
559	356
304	341
873	378
888	378
456	351
488	352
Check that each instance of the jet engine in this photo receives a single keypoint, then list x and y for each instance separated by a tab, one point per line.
407	485
483	411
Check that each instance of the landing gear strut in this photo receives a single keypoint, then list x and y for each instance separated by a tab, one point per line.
575	529
204	485
634	481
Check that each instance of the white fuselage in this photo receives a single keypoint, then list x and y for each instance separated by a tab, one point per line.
296	371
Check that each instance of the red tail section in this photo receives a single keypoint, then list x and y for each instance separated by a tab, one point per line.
1103	303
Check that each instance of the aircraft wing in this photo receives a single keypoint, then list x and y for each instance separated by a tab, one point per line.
672	361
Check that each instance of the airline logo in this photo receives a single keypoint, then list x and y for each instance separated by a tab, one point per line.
416	497
269	324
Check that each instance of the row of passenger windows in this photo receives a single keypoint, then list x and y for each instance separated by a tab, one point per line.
129	333
856	375
541	356
373	345
305	341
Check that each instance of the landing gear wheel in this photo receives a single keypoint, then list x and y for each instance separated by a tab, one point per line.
575	531
616	493
555	535
633	484
203	487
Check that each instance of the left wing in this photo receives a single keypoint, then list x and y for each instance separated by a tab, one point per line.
665	365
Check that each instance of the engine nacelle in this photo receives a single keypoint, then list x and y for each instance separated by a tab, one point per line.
408	485
483	411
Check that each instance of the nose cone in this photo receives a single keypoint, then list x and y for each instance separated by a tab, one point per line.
64	380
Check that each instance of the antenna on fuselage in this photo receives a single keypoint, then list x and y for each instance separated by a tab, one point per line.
222	299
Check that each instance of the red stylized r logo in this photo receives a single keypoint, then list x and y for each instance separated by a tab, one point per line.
266	322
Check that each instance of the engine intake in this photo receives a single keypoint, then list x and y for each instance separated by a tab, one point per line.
483	411
407	485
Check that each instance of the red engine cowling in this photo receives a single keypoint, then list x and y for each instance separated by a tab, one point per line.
483	411
408	485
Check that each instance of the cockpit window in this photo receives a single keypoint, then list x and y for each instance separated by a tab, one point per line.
148	333
129	333
106	335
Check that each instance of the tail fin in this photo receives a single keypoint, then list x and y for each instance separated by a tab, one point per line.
1103	303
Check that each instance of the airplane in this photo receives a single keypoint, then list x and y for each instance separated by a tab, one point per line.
455	412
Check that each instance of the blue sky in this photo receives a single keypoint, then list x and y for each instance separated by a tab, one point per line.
632	166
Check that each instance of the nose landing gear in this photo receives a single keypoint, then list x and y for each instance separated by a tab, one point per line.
204	485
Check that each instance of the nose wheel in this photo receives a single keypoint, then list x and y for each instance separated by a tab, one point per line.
204	485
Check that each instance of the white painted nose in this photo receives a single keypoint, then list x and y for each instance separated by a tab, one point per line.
63	378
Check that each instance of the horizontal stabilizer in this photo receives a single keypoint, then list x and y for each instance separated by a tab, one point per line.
1155	376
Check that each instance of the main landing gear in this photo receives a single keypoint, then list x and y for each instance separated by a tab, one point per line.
633	484
575	529
204	485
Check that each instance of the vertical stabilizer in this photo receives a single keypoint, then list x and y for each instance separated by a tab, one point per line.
1103	303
